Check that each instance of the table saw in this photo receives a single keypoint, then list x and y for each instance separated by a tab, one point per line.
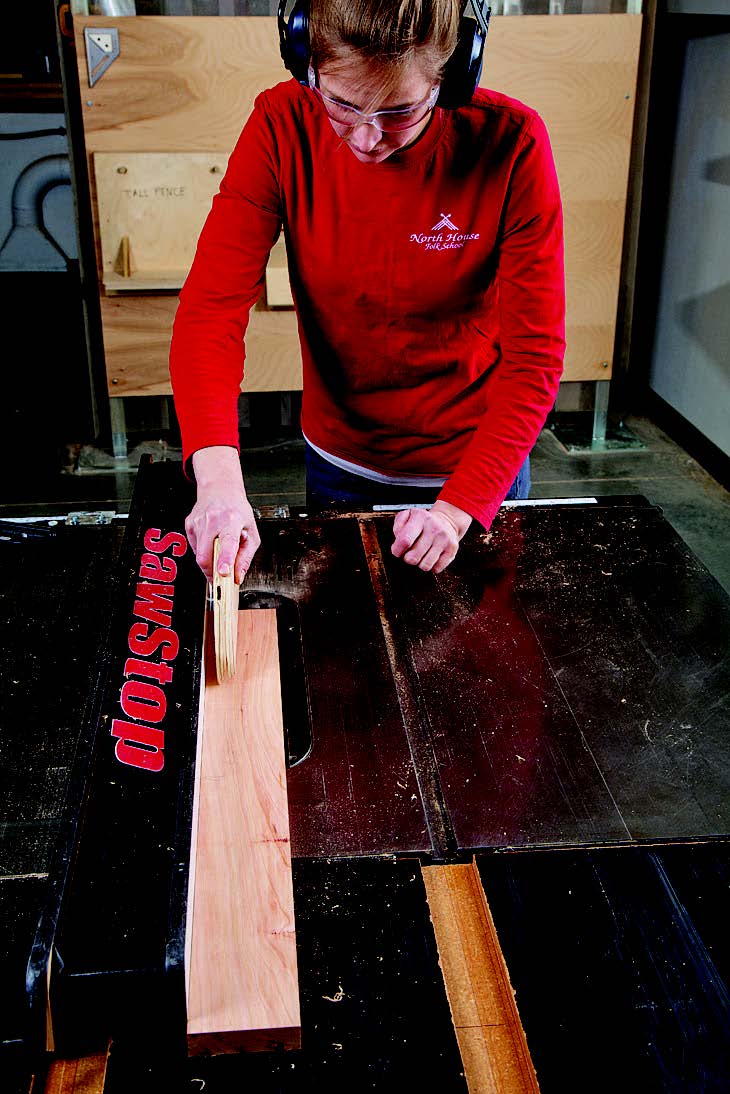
553	708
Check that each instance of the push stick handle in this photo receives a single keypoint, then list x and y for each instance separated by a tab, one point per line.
225	620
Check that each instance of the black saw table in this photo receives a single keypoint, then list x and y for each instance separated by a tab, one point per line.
556	703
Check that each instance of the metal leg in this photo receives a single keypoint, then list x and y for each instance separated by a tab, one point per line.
244	412
119	428
165	412
286	408
600	413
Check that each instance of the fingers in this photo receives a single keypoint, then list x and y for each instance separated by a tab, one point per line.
424	539
249	545
429	560
204	550
408	526
191	533
229	519
446	558
400	519
227	551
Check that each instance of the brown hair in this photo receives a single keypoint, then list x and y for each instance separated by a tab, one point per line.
387	34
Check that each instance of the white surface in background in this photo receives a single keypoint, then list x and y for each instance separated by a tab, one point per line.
691	363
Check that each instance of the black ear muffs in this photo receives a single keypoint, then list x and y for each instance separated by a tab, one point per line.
294	42
464	66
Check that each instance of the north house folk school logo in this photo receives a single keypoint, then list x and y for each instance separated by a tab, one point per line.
444	236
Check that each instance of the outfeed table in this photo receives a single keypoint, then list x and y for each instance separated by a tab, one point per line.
553	708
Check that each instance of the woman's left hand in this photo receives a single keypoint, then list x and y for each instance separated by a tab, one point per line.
429	538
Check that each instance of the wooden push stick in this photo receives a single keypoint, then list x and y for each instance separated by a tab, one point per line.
491	1039
225	619
241	962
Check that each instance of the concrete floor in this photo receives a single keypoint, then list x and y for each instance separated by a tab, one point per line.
693	502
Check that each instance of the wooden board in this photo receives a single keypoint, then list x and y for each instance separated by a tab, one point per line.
183	84
491	1039
241	965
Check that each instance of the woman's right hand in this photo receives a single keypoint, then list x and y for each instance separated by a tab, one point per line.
222	510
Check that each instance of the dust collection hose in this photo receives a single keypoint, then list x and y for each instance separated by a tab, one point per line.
20	249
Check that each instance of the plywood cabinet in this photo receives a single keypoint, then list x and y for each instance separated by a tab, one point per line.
181	90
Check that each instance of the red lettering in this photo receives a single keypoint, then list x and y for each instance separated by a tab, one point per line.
153	670
153	542
142	745
139	746
153	568
145	702
154	603
144	644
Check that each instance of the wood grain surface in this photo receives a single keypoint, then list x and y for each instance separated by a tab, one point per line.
158	202
137	332
242	966
491	1039
225	619
188	85
278	289
85	1075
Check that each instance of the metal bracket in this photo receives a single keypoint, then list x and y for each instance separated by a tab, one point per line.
268	512
102	516
102	48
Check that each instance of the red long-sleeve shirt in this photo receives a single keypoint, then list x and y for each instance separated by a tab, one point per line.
429	291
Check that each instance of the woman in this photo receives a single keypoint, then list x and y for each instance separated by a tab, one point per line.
424	238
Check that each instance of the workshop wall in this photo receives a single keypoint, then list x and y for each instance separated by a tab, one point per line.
23	160
691	367
45	402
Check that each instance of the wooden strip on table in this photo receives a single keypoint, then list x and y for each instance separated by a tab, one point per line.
491	1039
85	1075
242	970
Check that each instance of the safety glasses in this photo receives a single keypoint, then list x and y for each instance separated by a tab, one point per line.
387	121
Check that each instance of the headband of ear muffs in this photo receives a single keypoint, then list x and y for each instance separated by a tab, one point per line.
462	71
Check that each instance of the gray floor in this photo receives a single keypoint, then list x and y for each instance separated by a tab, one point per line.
692	501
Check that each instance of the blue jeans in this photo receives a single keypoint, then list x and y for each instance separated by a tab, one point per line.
329	487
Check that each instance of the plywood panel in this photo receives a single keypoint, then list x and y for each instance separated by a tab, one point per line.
278	289
158	202
189	84
180	84
137	331
580	74
241	954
